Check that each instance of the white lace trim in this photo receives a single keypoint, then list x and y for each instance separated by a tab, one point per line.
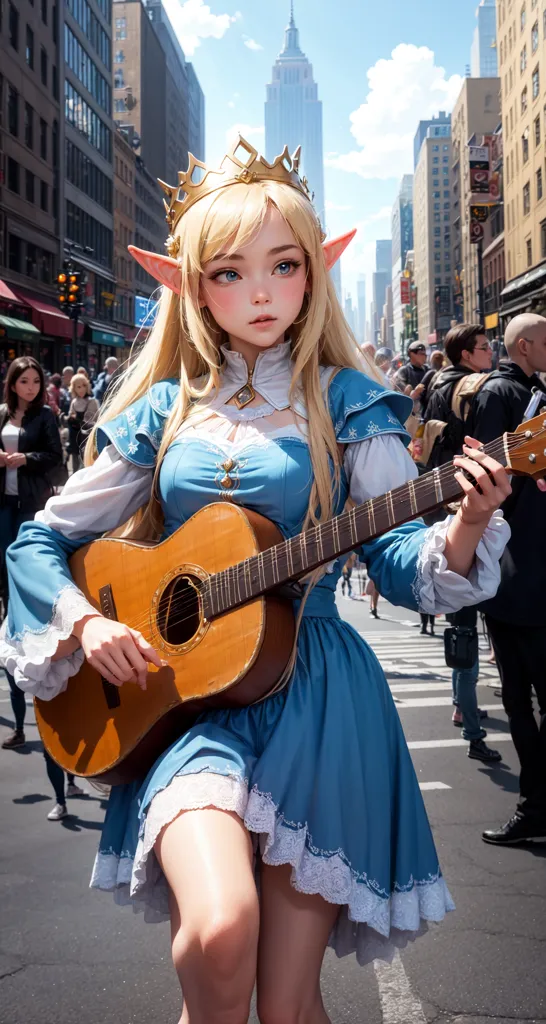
438	589
369	924
28	657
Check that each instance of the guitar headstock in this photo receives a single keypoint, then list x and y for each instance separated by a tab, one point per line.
527	448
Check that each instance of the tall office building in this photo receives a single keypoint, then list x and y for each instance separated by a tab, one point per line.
361	309
381	279
476	113
293	112
383	255
431	230
483	55
402	242
439	126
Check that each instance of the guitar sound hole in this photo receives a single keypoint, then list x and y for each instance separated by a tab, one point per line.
178	616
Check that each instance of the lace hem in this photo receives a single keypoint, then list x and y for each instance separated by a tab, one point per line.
28	656
371	924
438	589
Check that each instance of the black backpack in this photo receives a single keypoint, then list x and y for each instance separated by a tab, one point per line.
452	403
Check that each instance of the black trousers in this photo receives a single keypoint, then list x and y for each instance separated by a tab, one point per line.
521	660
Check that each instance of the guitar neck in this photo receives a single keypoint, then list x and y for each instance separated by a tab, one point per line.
292	559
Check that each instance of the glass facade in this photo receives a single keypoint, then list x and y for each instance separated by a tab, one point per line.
81	116
84	229
79	61
91	26
85	175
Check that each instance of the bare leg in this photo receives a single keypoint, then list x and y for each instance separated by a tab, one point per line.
294	931
206	856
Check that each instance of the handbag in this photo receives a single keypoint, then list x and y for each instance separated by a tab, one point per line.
461	646
58	475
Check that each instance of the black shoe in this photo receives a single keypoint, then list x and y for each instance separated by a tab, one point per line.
479	751
519	829
423	631
373	613
482	713
17	739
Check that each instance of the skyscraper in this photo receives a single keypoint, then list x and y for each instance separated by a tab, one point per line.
361	309
440	125
483	55
293	112
383	255
402	242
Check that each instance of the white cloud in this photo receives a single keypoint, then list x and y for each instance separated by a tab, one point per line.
252	44
194	21
383	214
403	90
329	205
249	132
231	104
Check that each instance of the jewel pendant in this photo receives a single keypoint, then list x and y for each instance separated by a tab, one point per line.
245	395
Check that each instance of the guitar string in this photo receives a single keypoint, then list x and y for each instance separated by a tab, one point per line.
445	473
232	573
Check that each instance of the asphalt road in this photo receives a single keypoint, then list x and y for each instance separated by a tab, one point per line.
70	956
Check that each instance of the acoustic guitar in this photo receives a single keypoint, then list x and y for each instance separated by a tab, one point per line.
217	600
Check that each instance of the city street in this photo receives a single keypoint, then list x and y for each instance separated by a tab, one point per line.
70	956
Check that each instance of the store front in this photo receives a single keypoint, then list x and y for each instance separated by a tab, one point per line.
524	294
17	338
56	329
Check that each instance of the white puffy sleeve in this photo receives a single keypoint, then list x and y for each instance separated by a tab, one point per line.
96	499
382	463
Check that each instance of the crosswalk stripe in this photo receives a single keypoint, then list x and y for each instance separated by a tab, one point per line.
425	786
436	702
493	737
399	1004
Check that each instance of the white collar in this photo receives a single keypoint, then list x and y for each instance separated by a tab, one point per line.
271	378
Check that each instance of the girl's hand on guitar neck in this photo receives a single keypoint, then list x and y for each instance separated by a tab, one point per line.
119	653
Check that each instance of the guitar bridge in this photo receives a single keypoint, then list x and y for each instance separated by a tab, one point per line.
108	609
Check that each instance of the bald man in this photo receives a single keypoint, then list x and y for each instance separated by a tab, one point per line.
516	616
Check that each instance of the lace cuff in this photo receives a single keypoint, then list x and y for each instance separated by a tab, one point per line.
28	658
438	589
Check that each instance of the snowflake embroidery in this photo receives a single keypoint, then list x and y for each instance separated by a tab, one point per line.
354	407
373	394
352	433
372	428
121	432
392	419
132	447
131	418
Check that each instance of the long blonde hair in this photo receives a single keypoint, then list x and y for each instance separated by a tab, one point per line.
185	340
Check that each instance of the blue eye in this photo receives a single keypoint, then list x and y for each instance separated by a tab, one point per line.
285	268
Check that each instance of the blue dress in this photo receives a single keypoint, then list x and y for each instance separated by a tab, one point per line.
320	773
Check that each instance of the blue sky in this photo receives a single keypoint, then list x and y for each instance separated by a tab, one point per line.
386	64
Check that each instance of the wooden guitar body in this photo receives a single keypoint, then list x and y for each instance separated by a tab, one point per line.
97	730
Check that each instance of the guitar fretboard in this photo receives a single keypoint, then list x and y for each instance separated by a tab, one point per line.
294	558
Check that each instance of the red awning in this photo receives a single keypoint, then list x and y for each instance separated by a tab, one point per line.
6	293
48	319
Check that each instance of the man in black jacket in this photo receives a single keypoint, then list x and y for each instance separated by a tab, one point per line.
412	372
516	616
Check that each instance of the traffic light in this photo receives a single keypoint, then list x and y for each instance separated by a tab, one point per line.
74	296
62	289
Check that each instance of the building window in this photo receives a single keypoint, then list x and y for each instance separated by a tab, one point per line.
436	206
13	26
14	253
43	196
537	131
445	159
119	57
118	79
43	66
436	218
523	18
536	83
526	198
437	257
529	249
44	11
445	148
435	195
85	175
435	183
29	126
13	175
121	28
86	70
435	149
446	215
446	182
437	243
43	139
55	82
13	111
436	159
29	186
119	107
31	262
539	184
29	48
543	239
525	146
437	231
80	114
524	98
523	60
534	37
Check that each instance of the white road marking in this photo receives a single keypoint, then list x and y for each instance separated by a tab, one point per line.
433	785
437	702
399	1005
417	687
493	737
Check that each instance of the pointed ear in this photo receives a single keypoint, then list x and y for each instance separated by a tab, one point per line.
163	268
333	250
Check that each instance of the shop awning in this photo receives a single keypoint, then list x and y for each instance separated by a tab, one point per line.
6	293
531	279
18	330
103	336
48	319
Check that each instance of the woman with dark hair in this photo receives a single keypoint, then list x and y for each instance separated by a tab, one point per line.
30	446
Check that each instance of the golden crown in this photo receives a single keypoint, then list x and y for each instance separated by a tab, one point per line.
241	164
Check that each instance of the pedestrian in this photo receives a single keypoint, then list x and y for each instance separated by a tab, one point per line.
346	574
314	786
412	373
82	414
452	392
516	616
55	775
382	360
105	379
464	679
373	594
64	402
437	361
30	446
426	621
82	369
53	389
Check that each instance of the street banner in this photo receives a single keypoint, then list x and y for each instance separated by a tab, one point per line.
405	291
479	215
